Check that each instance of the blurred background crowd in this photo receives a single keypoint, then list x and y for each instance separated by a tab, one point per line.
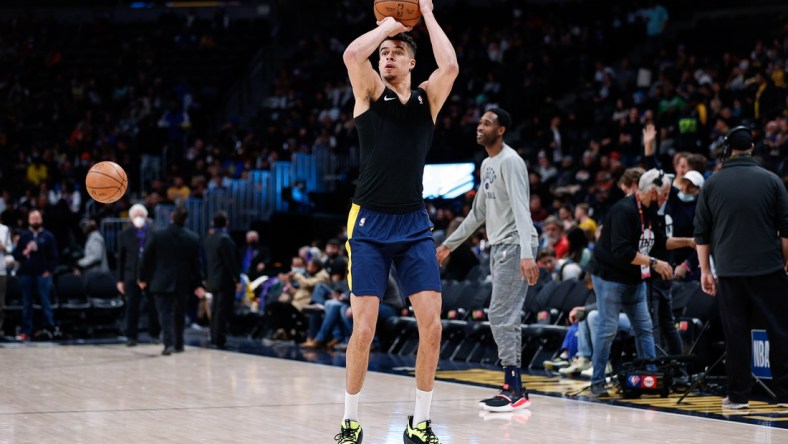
190	100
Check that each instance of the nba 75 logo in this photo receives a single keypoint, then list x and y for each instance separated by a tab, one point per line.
646	241
487	180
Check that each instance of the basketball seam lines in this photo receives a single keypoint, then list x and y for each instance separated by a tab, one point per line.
106	175
123	182
120	188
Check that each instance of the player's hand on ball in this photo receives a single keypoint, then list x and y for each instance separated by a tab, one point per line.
426	7
392	26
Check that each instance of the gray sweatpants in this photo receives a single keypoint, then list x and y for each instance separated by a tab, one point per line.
508	296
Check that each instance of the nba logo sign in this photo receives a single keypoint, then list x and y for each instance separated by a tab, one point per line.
633	380
760	355
362	221
421	102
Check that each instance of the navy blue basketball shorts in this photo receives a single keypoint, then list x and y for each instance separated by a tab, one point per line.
376	240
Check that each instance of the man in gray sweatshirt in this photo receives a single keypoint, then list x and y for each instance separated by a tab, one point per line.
502	201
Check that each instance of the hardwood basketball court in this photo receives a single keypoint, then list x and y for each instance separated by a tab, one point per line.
110	393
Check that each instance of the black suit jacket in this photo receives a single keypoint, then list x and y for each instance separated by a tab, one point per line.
260	254
129	255
171	261
223	270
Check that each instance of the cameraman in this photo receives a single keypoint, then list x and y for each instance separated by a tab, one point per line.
742	218
621	264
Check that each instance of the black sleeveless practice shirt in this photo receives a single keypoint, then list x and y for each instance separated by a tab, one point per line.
395	139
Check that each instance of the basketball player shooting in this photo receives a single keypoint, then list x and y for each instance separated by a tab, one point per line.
388	222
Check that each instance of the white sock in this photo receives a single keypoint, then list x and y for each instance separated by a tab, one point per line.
422	411
351	407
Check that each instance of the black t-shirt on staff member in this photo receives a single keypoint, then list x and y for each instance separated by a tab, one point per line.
742	213
620	239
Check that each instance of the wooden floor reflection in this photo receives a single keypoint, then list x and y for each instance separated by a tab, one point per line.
116	394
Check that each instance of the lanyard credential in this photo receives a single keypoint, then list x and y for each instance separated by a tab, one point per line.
646	239
640	212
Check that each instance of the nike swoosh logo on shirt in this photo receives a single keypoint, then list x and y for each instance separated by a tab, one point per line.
388	98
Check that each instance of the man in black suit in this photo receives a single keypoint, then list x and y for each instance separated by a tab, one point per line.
223	277
254	256
131	244
171	268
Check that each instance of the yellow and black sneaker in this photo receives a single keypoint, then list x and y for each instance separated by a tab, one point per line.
349	432
421	434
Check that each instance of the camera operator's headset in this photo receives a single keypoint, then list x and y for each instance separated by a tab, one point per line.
726	144
659	180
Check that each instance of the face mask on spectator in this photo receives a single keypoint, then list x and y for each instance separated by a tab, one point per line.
686	197
35	227
138	221
300	270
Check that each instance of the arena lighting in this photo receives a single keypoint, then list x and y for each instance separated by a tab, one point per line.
447	180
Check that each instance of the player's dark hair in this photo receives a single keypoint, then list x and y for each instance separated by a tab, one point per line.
504	119
407	39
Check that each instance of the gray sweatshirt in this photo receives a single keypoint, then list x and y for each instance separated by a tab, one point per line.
95	257
503	201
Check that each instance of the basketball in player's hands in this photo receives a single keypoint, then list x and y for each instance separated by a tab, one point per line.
106	182
406	12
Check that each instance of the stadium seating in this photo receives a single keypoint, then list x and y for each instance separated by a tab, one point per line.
698	322
542	338
13	305
74	304
106	305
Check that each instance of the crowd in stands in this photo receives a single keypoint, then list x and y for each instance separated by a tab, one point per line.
580	99
78	93
581	92
141	94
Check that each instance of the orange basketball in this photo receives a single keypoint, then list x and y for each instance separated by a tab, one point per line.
406	12
106	182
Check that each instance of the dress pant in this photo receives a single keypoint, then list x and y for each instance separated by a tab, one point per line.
738	297
134	297
172	316
222	307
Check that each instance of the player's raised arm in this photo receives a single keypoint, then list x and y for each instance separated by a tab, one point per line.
366	82
438	86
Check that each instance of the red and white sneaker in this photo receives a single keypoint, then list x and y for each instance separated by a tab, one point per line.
507	400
